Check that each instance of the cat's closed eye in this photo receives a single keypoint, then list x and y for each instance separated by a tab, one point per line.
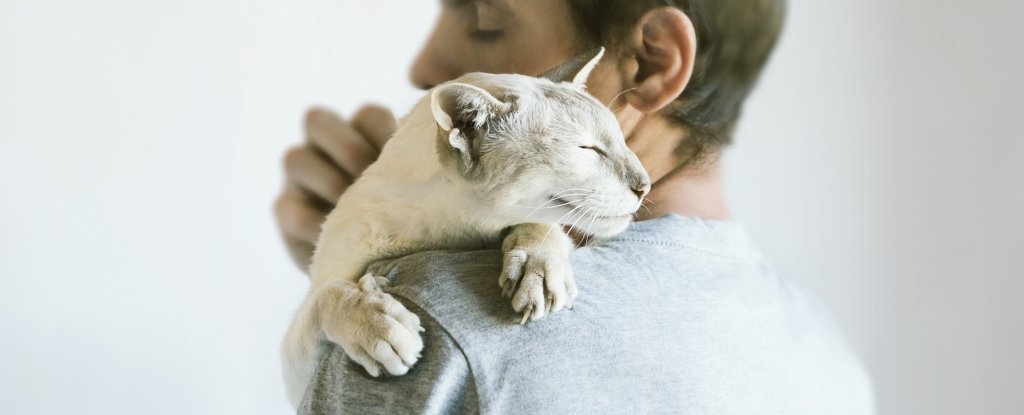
595	149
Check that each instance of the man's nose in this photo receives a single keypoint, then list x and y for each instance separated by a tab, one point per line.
421	75
431	67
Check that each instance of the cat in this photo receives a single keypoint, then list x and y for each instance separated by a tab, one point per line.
478	156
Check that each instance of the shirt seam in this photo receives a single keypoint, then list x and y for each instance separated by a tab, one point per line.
447	333
720	255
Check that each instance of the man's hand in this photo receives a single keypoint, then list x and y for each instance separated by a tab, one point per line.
318	171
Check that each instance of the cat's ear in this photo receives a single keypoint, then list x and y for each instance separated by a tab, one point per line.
461	110
577	69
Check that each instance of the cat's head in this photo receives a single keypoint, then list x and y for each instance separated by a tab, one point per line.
540	150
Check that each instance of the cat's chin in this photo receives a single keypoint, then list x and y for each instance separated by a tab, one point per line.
606	226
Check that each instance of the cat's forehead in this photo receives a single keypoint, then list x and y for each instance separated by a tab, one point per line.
528	86
568	95
535	99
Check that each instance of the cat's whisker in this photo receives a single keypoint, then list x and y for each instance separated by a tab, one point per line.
565	195
574	189
569	192
544	206
557	223
583	207
609	106
593	218
620	107
561	197
582	213
545	238
644	205
646	208
564	203
567	202
535	208
644	202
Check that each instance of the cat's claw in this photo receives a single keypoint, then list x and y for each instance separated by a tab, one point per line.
526	316
512	271
373	328
536	273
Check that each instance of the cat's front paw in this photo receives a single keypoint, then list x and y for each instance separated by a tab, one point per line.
536	273
373	328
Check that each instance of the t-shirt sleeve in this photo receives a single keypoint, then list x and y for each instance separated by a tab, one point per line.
440	382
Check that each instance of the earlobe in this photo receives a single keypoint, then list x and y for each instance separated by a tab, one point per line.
665	47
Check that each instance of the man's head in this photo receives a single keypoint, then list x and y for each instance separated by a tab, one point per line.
691	61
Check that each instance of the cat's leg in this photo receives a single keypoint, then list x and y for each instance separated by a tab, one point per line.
303	343
301	349
536	273
373	328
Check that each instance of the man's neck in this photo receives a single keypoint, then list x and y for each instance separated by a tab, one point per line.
697	194
679	185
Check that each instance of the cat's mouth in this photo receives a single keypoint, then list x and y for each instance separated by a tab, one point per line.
575	206
600	225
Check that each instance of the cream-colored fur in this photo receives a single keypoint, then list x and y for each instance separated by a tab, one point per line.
478	155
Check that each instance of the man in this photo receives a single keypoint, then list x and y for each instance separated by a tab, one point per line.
679	314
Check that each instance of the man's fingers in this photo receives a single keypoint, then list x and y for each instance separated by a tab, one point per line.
297	218
344	145
311	172
301	253
319	172
377	124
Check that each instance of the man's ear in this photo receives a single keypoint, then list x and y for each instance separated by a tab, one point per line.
577	69
461	111
664	45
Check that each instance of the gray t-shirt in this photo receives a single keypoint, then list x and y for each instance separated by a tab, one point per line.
675	315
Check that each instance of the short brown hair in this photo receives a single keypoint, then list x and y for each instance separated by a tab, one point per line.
734	40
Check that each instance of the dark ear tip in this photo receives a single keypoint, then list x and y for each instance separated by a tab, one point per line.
593	53
568	70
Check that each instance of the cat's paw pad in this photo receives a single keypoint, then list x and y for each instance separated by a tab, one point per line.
538	281
374	328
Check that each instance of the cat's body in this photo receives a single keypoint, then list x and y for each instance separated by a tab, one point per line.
477	156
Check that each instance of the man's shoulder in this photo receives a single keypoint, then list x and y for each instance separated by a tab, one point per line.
711	324
462	286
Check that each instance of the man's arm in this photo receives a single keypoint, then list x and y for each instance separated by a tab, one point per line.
440	382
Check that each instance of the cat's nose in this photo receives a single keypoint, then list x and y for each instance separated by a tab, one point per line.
641	190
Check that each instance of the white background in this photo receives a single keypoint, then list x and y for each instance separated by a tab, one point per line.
881	162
